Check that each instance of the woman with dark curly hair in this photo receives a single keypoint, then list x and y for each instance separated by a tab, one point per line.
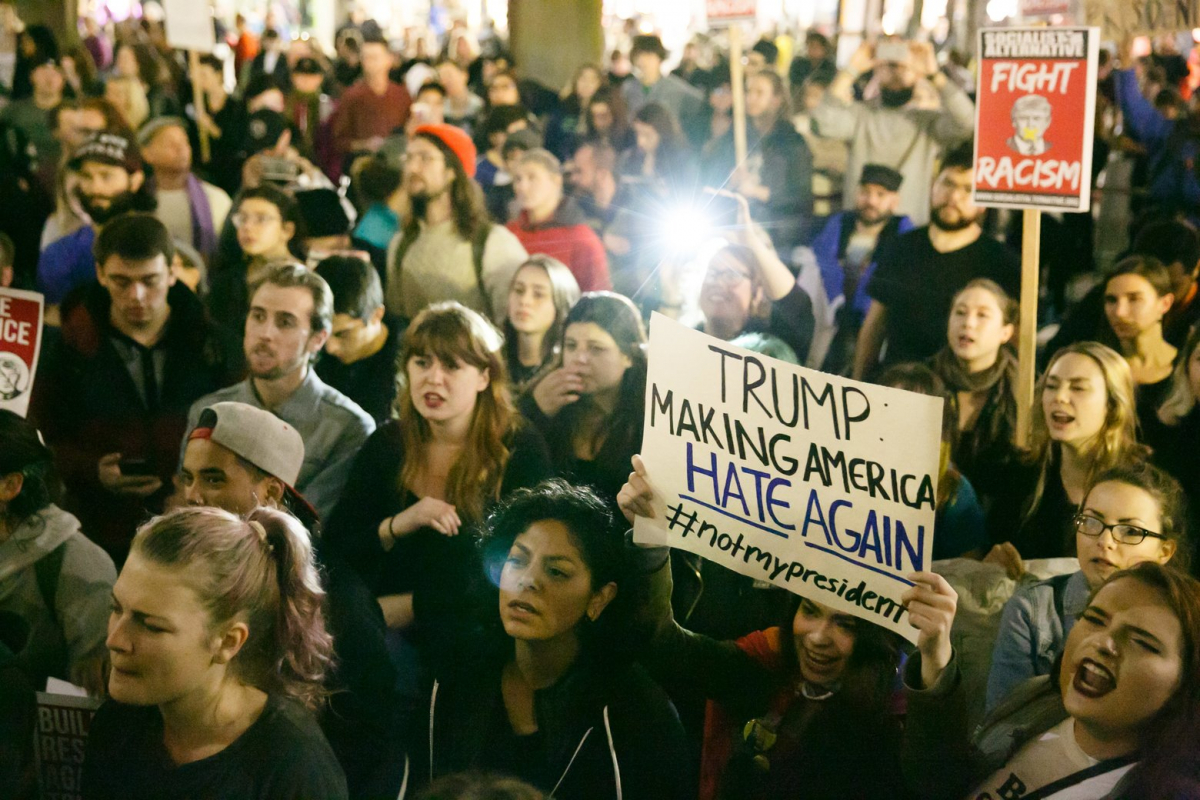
219	649
546	692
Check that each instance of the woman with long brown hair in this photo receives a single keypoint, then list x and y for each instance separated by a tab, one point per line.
423	479
1088	424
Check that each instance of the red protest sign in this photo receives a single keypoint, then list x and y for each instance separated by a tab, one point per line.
63	722
727	12
1035	116
1043	8
20	345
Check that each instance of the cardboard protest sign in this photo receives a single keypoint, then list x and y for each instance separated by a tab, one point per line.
20	346
1035	116
728	12
189	25
1118	20
818	484
63	722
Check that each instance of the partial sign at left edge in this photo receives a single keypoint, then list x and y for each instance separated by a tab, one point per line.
20	347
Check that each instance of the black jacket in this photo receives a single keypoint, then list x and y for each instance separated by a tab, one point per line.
603	732
434	567
785	168
87	405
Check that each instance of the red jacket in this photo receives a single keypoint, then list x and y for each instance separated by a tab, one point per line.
362	114
567	237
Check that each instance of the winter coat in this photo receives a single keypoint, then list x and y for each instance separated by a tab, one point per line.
567	237
603	733
87	405
74	627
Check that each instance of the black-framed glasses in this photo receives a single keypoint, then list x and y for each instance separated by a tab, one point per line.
1121	532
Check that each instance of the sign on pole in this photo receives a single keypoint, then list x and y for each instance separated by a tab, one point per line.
812	482
722	13
1118	20
1034	121
189	25
20	346
1043	8
1035	116
63	722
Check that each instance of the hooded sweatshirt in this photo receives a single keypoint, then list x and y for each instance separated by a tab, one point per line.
75	629
567	237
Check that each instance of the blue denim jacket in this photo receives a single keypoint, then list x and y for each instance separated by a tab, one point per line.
1033	631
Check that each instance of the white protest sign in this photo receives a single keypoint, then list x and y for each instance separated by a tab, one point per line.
818	484
20	346
723	13
189	25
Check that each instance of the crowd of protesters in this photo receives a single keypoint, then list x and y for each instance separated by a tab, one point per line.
325	482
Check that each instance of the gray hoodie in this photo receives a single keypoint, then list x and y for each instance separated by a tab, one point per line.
75	629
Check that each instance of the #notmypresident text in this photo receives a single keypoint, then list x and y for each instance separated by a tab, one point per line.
1035	117
818	484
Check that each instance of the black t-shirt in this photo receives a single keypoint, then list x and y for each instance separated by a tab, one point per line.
370	382
918	284
282	756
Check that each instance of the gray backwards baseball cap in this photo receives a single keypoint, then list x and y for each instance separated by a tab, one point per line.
256	435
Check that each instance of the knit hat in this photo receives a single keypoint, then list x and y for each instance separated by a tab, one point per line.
263	129
454	140
148	131
879	175
106	147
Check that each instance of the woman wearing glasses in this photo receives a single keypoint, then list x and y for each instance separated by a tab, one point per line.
1132	514
747	290
269	229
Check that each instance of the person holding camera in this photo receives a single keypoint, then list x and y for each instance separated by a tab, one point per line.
112	394
890	128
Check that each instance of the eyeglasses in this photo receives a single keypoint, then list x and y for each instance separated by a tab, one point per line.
1121	533
726	276
416	156
241	219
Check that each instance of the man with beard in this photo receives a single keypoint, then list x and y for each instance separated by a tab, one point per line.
892	129
110	179
845	257
291	314
917	275
113	391
448	250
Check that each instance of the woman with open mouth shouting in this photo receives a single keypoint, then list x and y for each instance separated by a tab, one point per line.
545	690
421	480
981	373
1131	514
790	708
1117	717
1088	424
